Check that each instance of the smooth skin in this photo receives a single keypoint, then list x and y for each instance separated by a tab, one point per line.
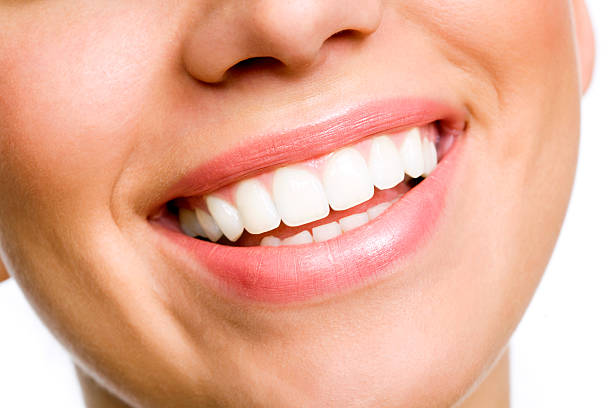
105	105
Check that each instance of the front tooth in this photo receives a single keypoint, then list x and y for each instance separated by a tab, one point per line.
189	223
226	216
385	163
412	154
347	180
257	211
270	241
303	237
326	232
377	210
209	226
430	155
299	196
353	221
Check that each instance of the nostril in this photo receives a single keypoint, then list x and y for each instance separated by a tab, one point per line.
254	64
346	34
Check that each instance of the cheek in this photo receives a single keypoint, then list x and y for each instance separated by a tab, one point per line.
72	96
527	117
513	43
519	31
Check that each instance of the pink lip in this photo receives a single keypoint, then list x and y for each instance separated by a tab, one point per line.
291	274
316	139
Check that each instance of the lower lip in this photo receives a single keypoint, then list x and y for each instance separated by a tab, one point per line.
285	275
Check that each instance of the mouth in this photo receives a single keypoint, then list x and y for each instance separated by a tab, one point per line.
317	210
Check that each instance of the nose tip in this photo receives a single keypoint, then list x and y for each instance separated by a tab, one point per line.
291	32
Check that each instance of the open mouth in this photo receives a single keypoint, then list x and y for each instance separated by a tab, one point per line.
318	199
356	200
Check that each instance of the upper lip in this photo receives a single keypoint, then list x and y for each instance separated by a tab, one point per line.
315	139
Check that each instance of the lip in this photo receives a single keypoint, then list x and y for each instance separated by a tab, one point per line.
306	142
291	274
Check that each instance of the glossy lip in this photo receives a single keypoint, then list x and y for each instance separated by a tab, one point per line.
285	275
306	142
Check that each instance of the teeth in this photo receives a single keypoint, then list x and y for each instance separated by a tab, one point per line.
209	226
226	216
303	237
257	211
385	163
354	221
412	154
299	196
326	232
430	156
347	180
377	210
303	193
270	241
189	223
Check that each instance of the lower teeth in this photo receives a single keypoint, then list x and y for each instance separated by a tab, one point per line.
320	233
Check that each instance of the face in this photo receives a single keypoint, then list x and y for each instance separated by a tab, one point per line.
127	128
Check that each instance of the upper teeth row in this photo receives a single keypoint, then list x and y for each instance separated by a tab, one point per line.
297	195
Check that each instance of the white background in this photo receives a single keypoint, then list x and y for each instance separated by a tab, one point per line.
561	353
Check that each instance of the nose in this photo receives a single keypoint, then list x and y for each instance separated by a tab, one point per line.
287	32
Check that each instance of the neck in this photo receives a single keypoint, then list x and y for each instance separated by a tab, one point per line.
494	391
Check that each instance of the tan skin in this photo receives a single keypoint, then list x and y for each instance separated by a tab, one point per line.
102	92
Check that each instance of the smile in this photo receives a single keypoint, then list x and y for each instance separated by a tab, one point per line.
284	226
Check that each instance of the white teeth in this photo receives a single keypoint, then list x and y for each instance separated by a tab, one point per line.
347	180
326	232
257	211
299	196
385	163
430	156
189	223
377	210
270	241
353	221
209	226
226	216
303	237
303	193
412	154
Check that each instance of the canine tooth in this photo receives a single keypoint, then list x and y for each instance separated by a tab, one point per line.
303	237
226	216
412	154
189	223
299	196
377	210
346	179
271	241
209	226
353	221
385	163
256	208
430	155
326	232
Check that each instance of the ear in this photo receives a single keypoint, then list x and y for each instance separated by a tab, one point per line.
586	43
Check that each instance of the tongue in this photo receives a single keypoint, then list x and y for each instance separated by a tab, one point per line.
283	231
